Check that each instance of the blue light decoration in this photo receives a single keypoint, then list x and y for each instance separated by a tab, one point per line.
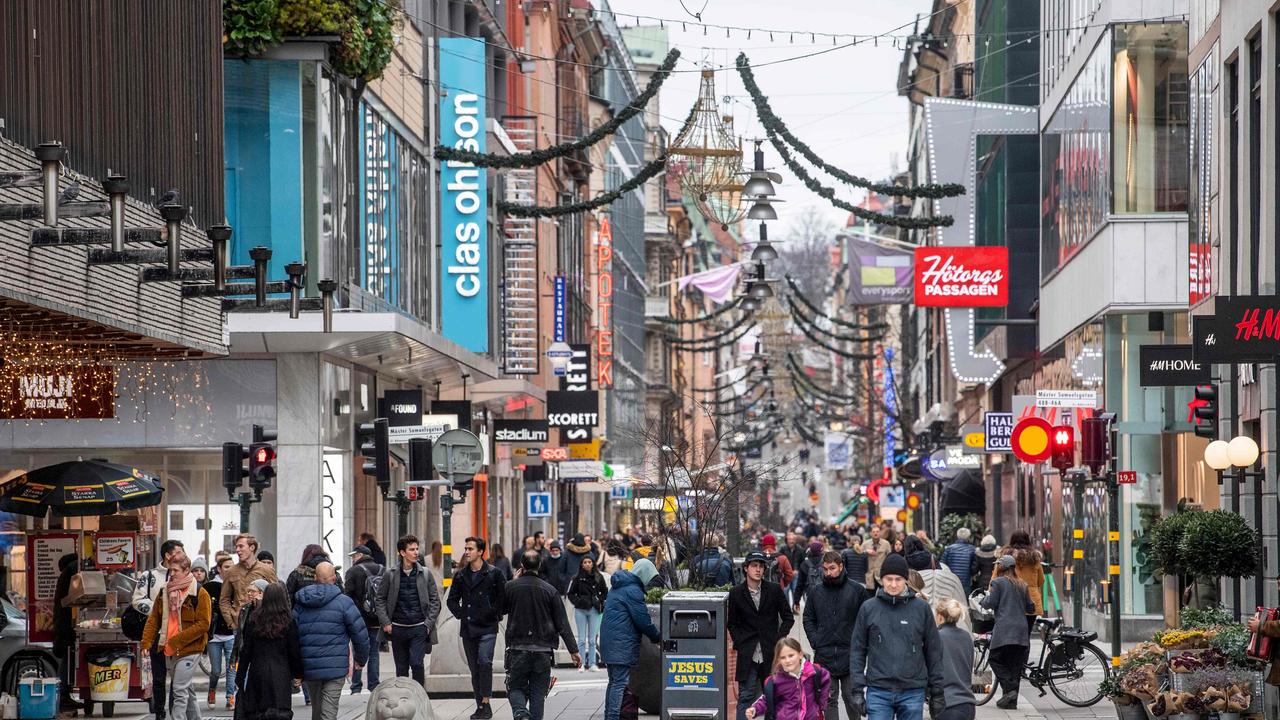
890	410
464	266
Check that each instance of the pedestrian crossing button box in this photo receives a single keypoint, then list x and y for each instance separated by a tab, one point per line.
695	656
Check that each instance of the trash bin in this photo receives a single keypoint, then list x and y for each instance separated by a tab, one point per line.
109	672
695	656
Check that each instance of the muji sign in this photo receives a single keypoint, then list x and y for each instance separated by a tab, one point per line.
962	277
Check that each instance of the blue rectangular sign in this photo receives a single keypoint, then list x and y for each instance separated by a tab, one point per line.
464	236
539	505
690	672
559	308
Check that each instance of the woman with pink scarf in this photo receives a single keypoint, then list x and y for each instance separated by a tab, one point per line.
179	626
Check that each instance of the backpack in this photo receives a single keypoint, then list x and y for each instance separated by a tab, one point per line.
371	584
769	711
771	571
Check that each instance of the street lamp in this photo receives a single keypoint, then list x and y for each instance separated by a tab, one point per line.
1240	452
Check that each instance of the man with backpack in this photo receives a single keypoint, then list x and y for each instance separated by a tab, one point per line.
778	568
361	584
476	599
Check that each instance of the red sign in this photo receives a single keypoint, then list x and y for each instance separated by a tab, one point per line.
604	305
1127	477
555	454
963	276
1030	440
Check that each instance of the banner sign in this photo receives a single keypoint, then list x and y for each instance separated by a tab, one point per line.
878	275
585	451
1170	366
838	449
962	277
521	431
561	298
604	305
63	392
464	191
573	409
580	470
43	552
402	408
1245	328
429	427
1067	398
998	431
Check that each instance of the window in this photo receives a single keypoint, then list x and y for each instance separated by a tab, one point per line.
1255	161
1201	209
1149	119
1233	172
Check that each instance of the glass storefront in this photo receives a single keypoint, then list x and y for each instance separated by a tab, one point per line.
1203	188
1149	118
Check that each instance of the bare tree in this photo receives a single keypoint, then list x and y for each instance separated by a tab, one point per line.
806	254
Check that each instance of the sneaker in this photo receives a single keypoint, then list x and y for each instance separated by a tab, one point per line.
213	698
1008	701
231	702
581	669
356	689
595	668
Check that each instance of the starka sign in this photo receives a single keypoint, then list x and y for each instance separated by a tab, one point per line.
604	305
962	277
464	301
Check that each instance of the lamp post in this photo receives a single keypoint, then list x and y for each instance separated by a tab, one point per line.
1241	454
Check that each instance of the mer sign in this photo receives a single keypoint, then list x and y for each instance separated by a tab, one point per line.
464	300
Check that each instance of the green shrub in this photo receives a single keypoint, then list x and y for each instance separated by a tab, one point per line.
1219	542
365	28
955	521
1166	542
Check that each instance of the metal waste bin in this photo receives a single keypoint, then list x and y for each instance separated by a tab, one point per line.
695	656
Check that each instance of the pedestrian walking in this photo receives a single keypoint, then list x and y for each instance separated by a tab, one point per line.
200	571
333	640
855	562
144	597
625	619
269	659
587	593
578	548
1010	636
876	548
498	558
809	573
253	596
983	564
476	599
64	630
536	624
408	607
363	578
1030	569
237	578
830	611
958	557
178	626
222	638
375	550
895	651
554	567
778	567
1271	691
305	573
758	615
797	689
953	700
713	567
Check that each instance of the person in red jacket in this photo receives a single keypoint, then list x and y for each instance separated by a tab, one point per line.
779	568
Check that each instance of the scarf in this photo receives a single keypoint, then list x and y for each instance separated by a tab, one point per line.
176	591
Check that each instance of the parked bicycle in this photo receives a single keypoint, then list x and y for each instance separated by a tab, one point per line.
1070	665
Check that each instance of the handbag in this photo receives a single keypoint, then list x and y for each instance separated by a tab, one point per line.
1262	647
133	622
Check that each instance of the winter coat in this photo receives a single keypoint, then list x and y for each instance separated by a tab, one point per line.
504	567
327	623
357	585
895	645
957	666
587	591
810	572
428	596
922	560
795	556
749	627
238	645
265	674
941	584
830	610
958	557
1271	629
536	619
218	625
305	575
235	586
476	599
855	565
779	570
625	619
714	568
574	554
1030	572
794	698
553	571
876	552
982	567
1012	605
194	620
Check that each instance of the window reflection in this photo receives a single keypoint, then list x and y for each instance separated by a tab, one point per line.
1149	121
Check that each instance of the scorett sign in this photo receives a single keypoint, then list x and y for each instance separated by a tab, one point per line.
962	277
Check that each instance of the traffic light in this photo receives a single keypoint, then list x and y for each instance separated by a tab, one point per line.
1095	443
375	446
262	457
1063	441
233	470
1205	411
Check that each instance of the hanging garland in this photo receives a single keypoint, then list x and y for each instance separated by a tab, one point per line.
799	318
851	356
646	173
712	338
717	346
534	158
835	407
811	385
728	385
718	401
796	293
806	434
709	316
772	122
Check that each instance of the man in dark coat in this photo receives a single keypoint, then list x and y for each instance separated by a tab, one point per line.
363	569
475	598
959	558
554	567
758	616
536	624
830	610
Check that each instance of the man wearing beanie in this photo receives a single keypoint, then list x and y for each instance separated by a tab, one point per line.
908	649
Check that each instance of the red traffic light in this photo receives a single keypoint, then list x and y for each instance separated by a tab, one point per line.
1064	447
1063	437
263	455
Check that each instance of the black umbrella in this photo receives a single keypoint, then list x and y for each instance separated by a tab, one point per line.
80	487
965	494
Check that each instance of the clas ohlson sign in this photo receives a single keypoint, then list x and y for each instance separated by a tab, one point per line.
464	266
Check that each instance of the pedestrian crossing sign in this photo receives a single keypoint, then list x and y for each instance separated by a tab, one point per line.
538	504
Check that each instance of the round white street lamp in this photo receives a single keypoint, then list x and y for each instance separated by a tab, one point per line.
1242	451
1217	455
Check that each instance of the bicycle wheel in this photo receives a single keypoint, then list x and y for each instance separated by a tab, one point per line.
983	683
1075	672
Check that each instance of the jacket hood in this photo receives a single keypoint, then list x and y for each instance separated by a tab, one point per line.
582	549
907	596
645	571
920	560
985	552
623	578
317	595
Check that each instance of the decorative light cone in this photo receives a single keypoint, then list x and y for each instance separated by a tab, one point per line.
1218	455
749	303
758	185
1242	451
762	209
764	252
760	290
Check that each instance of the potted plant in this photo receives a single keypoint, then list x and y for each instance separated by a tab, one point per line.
1220	540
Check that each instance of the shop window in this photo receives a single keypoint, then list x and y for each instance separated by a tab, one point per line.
1149	118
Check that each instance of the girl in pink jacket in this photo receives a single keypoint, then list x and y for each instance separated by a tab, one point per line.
800	689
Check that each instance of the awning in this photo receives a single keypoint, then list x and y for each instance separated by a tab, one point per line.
965	494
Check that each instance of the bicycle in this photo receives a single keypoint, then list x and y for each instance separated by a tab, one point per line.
1070	665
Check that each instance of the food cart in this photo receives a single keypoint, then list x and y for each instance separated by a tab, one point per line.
109	667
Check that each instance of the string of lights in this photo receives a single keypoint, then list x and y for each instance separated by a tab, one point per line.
799	319
709	316
796	293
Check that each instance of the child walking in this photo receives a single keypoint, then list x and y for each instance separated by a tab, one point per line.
799	688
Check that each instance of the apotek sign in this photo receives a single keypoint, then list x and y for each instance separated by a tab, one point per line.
464	303
962	277
604	305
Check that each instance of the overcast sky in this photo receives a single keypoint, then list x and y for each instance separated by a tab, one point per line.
844	104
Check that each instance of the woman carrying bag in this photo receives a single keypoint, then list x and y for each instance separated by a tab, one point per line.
587	592
1011	636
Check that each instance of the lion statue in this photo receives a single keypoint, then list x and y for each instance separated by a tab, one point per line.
399	699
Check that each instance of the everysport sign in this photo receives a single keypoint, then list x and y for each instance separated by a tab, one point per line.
962	277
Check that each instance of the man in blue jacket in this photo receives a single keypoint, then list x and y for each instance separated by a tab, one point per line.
625	619
959	558
328	622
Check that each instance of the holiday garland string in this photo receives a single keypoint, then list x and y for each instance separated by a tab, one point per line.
646	173
760	382
796	292
770	121
728	385
717	346
800	397
815	412
712	338
851	356
800	317
534	158
809	383
709	316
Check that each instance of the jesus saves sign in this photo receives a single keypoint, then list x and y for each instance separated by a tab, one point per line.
962	277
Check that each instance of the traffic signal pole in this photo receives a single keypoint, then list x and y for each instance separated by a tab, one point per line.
1113	538
1077	551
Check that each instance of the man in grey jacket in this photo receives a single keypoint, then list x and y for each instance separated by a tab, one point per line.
408	606
908	651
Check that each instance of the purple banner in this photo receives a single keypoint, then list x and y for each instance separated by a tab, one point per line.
878	275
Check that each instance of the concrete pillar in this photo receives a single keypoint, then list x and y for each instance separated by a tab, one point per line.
298	490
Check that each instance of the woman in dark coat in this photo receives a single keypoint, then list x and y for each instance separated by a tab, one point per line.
305	573
270	660
587	593
498	559
64	627
1010	638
